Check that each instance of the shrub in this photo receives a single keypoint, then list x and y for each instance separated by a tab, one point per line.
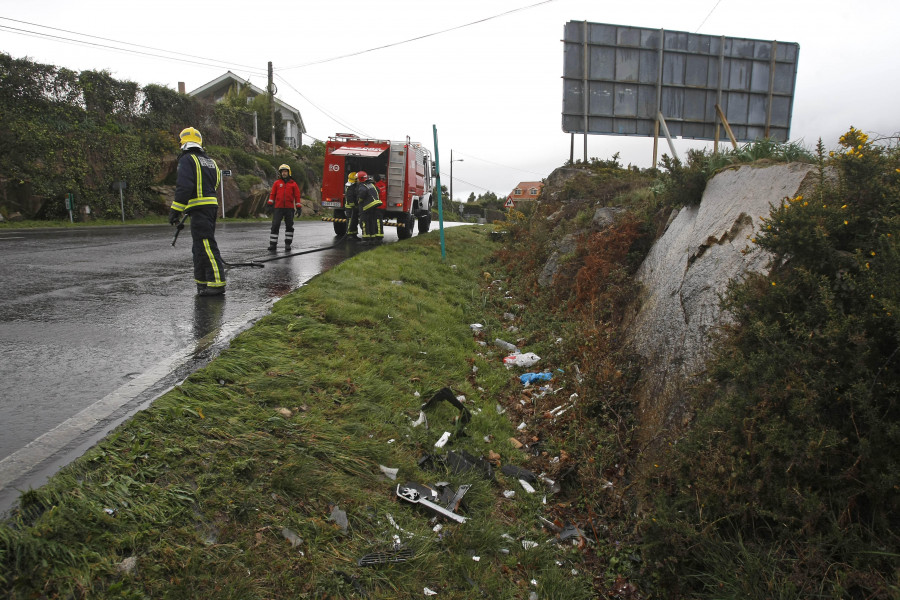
794	465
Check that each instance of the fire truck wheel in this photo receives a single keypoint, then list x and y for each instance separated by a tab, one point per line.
424	224
409	222
339	228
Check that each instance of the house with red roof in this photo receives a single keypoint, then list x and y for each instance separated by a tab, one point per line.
525	190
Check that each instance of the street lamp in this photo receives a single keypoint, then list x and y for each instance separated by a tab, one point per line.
451	174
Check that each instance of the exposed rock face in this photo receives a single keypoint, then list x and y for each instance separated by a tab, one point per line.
683	277
560	248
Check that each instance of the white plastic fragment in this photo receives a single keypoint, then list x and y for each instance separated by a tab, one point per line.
517	359
526	486
421	420
521	426
444	438
476	558
500	410
506	345
391	473
509	493
476	326
292	537
528	544
430	592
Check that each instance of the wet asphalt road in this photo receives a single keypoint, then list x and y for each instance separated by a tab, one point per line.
96	322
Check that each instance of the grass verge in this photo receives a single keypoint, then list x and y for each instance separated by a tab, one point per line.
227	486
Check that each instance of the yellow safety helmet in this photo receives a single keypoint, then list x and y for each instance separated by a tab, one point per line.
352	177
188	135
285	168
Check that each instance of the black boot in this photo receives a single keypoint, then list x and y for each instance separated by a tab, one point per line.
212	291
273	248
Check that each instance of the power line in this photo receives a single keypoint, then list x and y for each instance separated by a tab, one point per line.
501	165
456	178
192	60
323	111
707	16
421	37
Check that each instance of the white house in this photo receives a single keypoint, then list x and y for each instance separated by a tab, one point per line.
216	89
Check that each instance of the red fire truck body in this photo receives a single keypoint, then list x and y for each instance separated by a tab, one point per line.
406	167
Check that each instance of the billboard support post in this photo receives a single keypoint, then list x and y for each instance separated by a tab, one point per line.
727	127
586	85
662	121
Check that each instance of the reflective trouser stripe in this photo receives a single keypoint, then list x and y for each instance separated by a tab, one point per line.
217	276
288	236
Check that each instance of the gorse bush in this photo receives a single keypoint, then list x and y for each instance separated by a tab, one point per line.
794	466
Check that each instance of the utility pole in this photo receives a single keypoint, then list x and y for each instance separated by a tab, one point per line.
272	106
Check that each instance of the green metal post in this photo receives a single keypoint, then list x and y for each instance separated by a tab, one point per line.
437	171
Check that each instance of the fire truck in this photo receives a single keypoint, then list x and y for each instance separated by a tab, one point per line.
405	166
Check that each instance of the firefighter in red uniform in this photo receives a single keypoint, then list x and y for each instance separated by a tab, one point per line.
284	199
198	178
369	202
382	188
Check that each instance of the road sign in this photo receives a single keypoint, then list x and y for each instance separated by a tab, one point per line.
509	203
617	79
227	173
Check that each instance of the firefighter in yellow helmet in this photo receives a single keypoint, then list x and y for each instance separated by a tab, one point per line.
350	212
284	199
198	178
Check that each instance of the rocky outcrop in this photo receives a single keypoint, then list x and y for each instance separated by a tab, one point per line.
683	277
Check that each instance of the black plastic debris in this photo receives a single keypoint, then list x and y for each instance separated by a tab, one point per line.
457	461
448	498
460	461
397	554
518	473
446	394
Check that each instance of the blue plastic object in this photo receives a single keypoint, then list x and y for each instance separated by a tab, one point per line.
527	378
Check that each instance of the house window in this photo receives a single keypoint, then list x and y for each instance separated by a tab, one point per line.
517	192
533	191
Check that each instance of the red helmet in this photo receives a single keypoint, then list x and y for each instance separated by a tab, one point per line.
362	176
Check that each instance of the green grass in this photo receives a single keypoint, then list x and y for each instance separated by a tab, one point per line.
203	489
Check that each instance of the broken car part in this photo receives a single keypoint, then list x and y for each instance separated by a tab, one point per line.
411	495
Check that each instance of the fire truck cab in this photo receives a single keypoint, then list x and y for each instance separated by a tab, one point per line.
406	167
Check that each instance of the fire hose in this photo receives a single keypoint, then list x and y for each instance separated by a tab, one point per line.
258	263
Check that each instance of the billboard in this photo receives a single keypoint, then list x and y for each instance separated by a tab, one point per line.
616	79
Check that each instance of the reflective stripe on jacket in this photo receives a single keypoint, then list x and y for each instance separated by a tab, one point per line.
367	196
197	180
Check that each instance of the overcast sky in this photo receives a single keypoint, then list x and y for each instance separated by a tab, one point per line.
486	73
